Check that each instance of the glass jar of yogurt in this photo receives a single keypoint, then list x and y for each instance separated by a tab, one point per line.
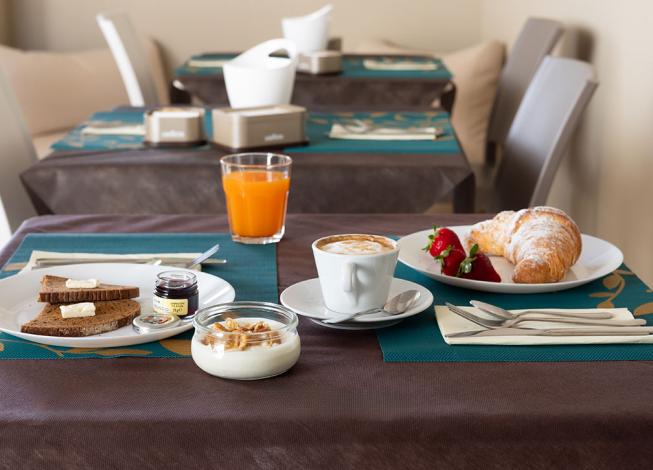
245	340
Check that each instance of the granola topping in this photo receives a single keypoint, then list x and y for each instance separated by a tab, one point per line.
242	335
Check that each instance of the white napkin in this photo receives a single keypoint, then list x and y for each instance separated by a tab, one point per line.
451	323
182	257
339	131
127	129
207	63
407	65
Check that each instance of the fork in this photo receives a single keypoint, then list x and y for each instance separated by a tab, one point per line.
492	324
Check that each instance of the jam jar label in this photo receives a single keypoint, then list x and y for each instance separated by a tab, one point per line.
177	307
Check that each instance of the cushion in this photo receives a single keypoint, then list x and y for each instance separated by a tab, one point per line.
58	90
476	73
42	142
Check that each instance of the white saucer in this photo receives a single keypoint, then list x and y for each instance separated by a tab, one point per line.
356	326
305	298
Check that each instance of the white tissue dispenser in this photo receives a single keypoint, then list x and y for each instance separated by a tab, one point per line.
174	127
320	62
258	127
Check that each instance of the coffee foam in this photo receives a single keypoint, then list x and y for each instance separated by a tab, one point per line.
355	245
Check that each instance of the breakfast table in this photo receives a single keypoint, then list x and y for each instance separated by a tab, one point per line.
118	174
340	406
201	79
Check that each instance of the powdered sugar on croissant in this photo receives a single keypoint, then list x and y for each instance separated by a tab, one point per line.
542	242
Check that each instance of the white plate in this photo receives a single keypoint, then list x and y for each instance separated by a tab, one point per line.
350	326
597	259
305	298
18	303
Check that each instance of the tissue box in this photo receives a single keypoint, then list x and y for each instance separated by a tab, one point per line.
259	127
174	127
320	62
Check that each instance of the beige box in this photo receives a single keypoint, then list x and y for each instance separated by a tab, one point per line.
320	62
174	126
259	127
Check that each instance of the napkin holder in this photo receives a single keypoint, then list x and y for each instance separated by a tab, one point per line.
258	127
174	127
320	62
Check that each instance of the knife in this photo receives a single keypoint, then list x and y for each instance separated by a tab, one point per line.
63	261
617	331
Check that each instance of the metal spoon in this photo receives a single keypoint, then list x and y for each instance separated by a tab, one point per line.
204	256
398	304
504	314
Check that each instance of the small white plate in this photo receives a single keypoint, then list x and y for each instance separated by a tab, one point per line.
305	298
18	303
598	258
349	326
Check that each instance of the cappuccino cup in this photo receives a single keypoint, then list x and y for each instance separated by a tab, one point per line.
355	270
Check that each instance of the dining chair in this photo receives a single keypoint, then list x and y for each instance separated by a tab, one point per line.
16	155
130	57
535	41
539	136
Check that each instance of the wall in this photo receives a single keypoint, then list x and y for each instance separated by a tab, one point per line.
606	182
193	26
4	21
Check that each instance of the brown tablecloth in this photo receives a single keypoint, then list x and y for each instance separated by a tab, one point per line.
341	406
174	181
315	91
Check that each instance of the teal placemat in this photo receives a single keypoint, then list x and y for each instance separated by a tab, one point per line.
318	126
352	67
76	140
418	338
252	270
186	69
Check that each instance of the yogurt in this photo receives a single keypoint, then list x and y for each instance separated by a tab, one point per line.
257	361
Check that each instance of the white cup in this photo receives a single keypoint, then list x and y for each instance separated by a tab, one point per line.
255	79
355	281
310	33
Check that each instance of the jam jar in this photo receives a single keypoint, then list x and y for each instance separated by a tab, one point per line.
176	293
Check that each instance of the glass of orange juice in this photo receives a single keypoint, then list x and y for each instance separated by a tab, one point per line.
256	188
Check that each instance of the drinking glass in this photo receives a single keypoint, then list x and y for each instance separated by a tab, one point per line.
256	189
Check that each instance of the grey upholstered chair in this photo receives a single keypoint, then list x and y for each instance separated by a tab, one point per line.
16	155
130	57
536	40
539	136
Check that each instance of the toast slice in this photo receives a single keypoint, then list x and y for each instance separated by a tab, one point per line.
54	291
109	316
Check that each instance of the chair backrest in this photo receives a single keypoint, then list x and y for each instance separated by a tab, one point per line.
539	136
130	57
536	40
16	155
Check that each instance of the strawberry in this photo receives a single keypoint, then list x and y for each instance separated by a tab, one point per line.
441	239
477	266
450	260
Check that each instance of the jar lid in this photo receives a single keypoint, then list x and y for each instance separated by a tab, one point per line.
150	322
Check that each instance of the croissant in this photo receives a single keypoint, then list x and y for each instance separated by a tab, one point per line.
542	242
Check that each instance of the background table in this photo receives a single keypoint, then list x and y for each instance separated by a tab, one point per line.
380	90
340	406
328	180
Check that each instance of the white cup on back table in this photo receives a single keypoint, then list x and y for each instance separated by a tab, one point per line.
355	270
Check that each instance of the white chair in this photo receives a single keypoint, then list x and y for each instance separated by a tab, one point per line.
16	155
539	136
130	57
536	40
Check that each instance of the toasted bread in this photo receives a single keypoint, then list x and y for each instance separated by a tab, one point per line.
109	316
54	291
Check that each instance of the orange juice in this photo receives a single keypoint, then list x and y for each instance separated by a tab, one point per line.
256	201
